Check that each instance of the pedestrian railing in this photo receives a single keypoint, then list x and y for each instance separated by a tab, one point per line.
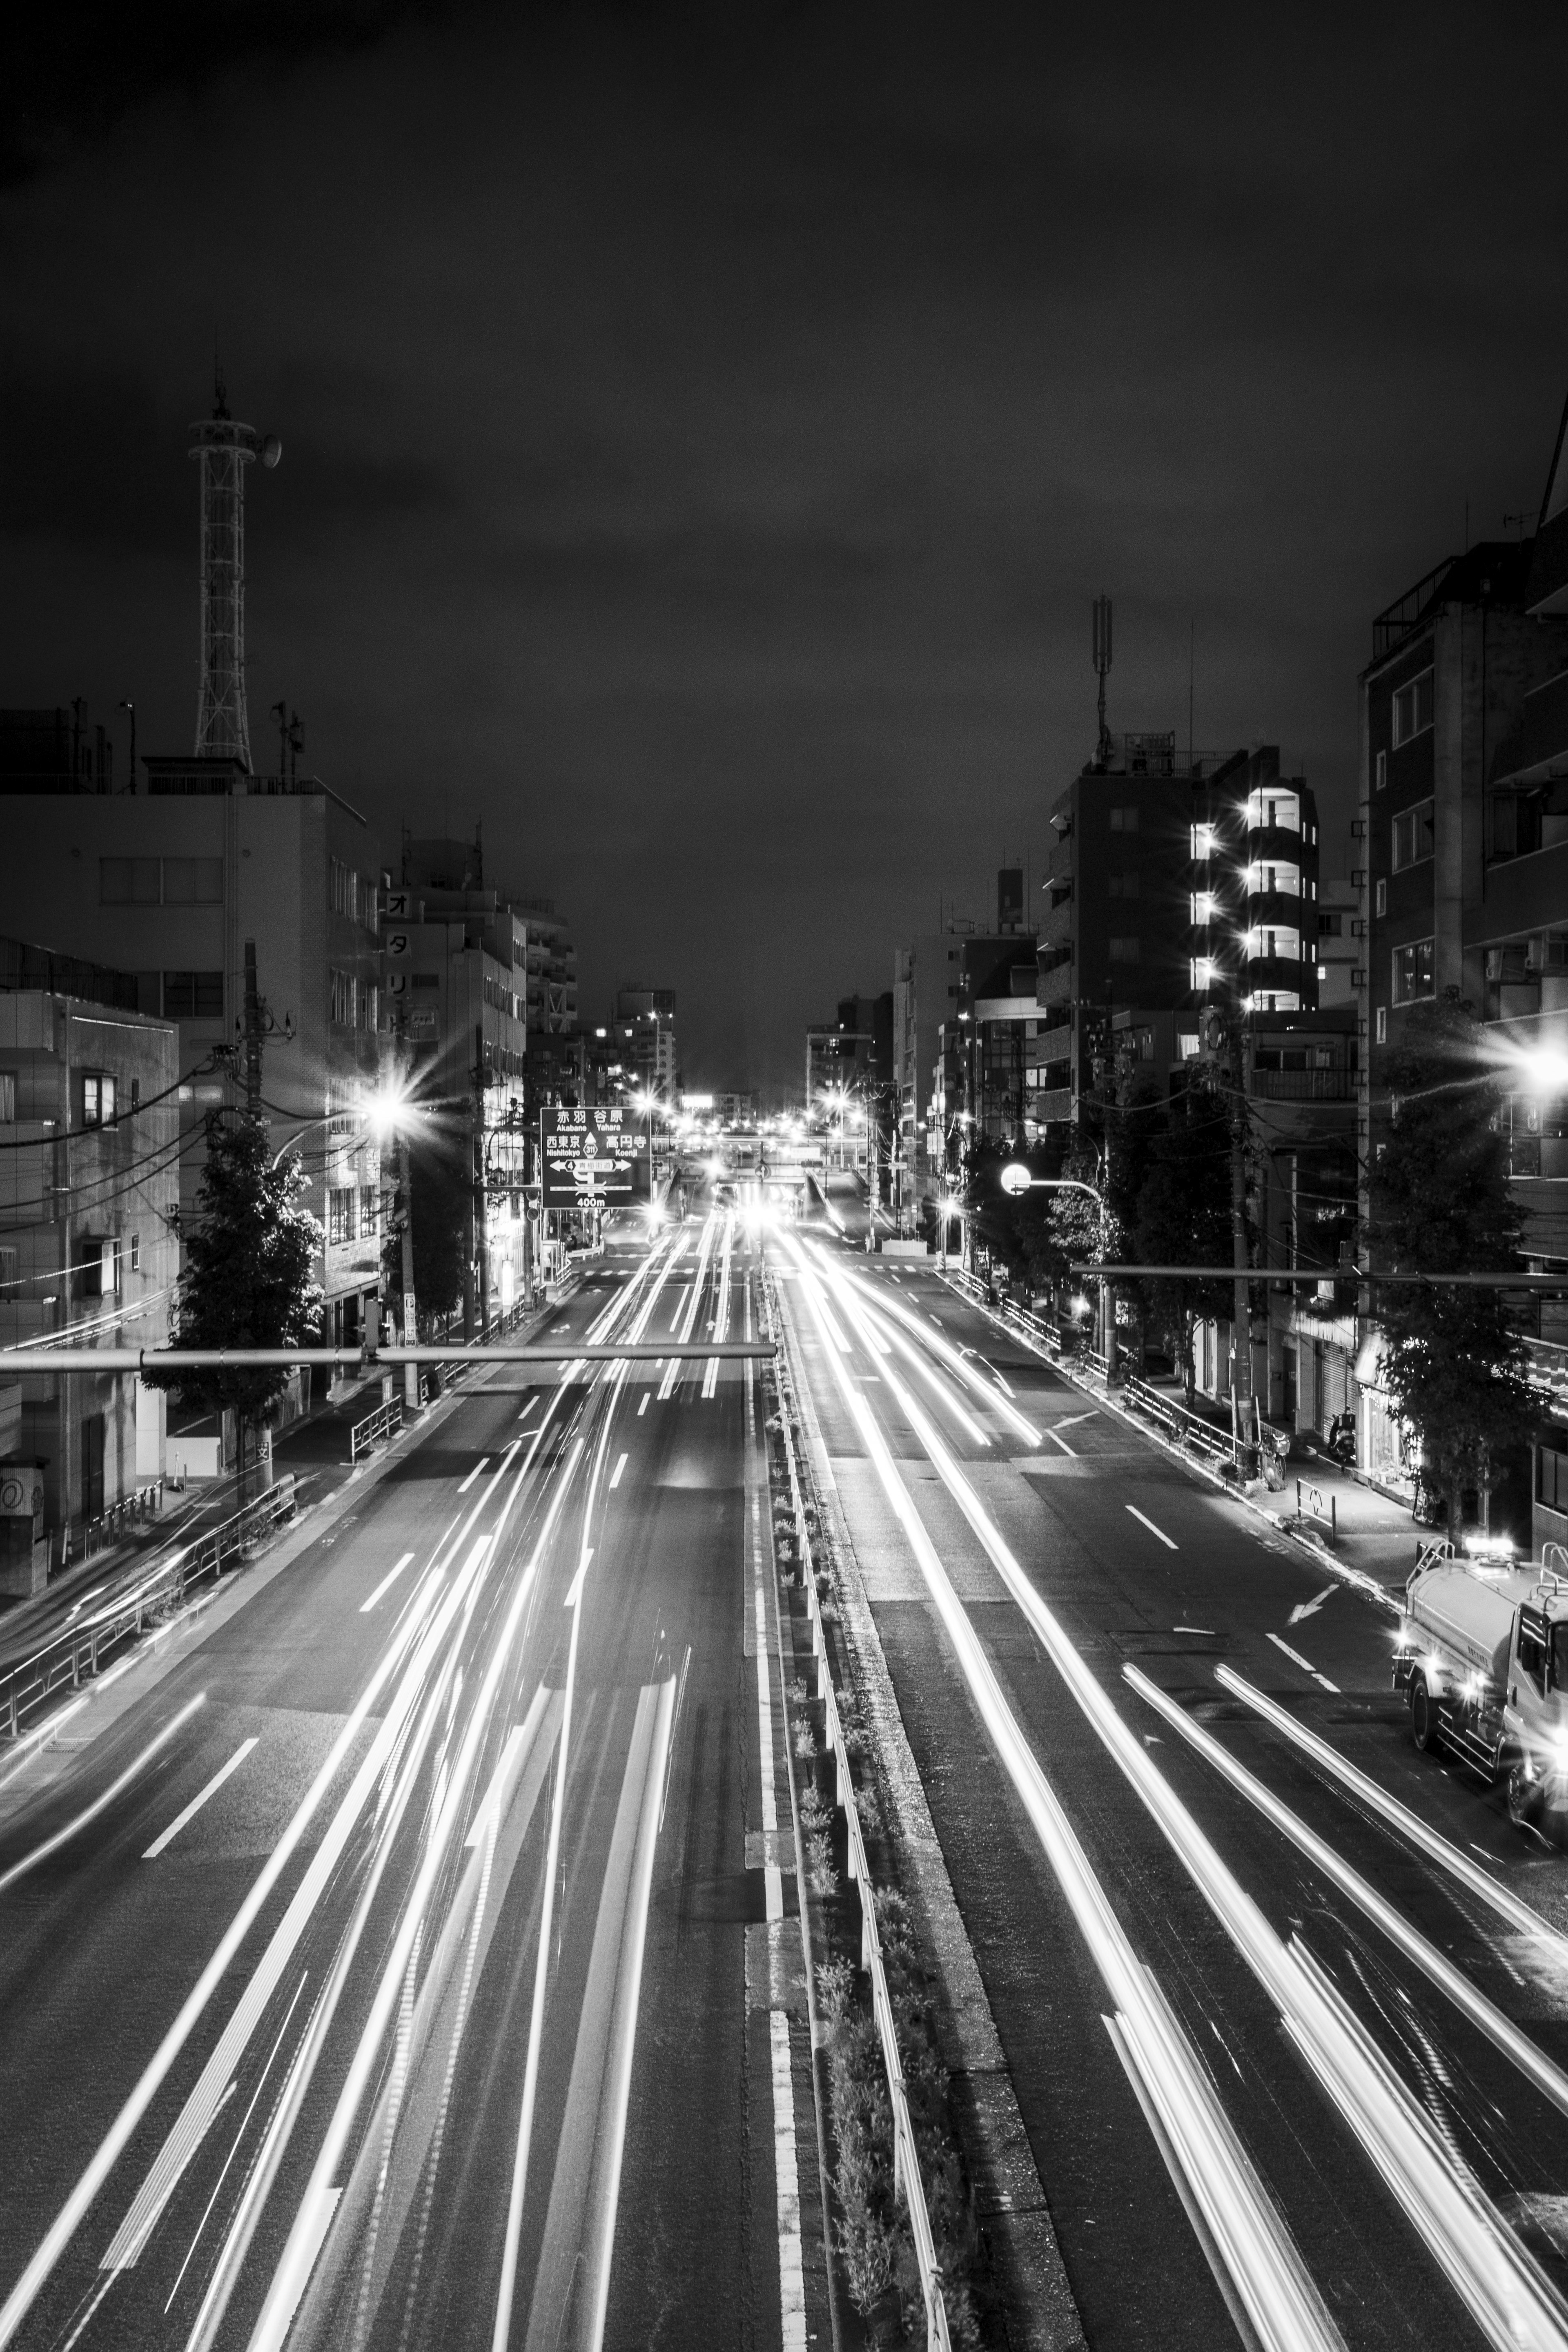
26	1686
906	2157
1310	1505
1034	1326
377	1428
110	1525
1188	1430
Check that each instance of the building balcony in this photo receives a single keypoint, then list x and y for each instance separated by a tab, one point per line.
1048	1105
1304	1085
1274	844
1281	976
1547	1365
1280	910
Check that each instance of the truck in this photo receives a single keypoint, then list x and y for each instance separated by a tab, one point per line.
1481	1658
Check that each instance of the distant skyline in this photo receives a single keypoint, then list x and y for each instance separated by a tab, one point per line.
703	437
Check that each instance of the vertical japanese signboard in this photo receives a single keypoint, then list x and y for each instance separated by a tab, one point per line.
597	1155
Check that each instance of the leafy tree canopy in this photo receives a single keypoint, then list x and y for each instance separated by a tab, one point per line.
442	1185
1441	1203
248	1280
1183	1217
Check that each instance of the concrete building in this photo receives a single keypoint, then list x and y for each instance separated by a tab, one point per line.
90	1144
646	1017
178	884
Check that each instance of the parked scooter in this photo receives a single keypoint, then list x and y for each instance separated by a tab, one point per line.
1340	1443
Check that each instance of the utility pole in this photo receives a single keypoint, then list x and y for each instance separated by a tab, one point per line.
481	1200
252	1036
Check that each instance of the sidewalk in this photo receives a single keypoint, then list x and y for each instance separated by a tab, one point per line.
1373	1533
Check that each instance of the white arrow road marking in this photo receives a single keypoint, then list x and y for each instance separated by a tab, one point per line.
1309	1608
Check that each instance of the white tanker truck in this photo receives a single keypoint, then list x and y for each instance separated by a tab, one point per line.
1482	1657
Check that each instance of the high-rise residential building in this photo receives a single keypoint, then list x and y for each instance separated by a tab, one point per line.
644	1019
89	1121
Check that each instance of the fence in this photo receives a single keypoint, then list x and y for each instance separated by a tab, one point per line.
28	1686
110	1525
906	2159
1310	1506
377	1428
1189	1430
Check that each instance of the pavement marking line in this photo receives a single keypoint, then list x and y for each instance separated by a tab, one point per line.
90	1812
773	1877
1495	2275
387	1582
616	1473
710	1377
786	2179
643	1407
1305	1663
1169	1544
197	1801
1309	1608
1195	1629
1394	1815
1071	1420
1067	1449
473	1473
523	1411
1532	2063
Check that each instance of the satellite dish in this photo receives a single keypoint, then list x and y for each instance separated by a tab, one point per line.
271	450
1016	1177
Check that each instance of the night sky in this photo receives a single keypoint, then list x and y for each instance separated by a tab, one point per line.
705	431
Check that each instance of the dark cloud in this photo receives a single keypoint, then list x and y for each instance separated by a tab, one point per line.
705	430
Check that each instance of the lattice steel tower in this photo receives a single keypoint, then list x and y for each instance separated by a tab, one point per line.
223	450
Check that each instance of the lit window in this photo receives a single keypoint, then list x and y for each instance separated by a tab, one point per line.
97	1099
1202	972
1187	1047
1413	968
1412	709
1202	841
1383	1025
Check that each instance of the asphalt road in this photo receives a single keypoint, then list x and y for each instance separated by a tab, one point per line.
378	1975
1022	1549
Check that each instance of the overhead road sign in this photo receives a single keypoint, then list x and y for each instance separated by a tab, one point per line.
594	1155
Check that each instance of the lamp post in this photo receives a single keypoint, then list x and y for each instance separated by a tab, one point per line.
1017	1180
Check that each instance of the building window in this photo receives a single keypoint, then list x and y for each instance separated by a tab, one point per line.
1552	1479
1187	1047
128	881
1413	972
341	998
97	1098
1121	886
1202	841
1123	820
1383	1025
160	881
369	1211
7	1098
1380	896
193	997
193	881
1124	950
1202	971
1412	709
344	891
135	1253
1380	772
9	1259
1413	836
341	1213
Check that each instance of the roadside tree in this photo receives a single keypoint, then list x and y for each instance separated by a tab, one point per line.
1182	1218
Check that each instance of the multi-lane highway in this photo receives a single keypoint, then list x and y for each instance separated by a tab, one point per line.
376	1971
1284	2069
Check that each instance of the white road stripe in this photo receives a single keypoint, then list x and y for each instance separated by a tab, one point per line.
1154	1530
193	1808
643	1407
473	1473
616	1473
786	2177
1305	1663
386	1585
1062	1442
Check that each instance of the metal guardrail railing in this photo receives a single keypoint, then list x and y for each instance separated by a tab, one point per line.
26	1686
1188	1430
906	2157
110	1525
377	1428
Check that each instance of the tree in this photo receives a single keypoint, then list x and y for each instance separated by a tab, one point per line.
442	1185
1182	1218
249	1280
1441	1204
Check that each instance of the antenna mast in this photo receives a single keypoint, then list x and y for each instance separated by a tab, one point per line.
1101	640
223	449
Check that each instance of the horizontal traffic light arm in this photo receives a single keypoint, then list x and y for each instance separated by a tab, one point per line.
18	1360
1495	1281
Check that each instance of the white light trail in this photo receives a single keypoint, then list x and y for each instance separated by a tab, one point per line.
90	1812
955	1356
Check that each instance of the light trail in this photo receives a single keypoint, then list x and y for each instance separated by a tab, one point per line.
1495	2276
1244	2235
928	1372
1399	1817
1532	2063
90	1812
955	1356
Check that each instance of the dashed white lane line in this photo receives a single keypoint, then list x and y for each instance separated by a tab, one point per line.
616	1473
643	1407
1305	1663
199	1799
387	1582
1169	1542
473	1473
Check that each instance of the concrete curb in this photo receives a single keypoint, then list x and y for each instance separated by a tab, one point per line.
1356	1577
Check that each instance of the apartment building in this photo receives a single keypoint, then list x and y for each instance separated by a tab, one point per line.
90	1128
207	871
644	1017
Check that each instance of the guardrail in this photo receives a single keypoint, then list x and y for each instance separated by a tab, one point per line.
26	1686
1188	1430
906	2157
377	1428
110	1525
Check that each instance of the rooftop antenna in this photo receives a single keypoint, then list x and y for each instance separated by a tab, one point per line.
223	449
1102	664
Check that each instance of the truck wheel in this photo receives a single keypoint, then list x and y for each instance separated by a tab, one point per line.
1423	1717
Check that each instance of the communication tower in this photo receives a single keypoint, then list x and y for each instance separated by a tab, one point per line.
223	449
1102	664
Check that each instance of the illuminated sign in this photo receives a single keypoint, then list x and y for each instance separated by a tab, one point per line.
593	1155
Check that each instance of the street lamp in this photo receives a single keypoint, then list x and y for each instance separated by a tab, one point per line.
388	1112
1018	1179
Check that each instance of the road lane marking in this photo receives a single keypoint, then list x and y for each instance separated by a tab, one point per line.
473	1473
90	1812
1309	1608
1305	1663
1071	1450
1194	1629
1071	1420
710	1377
1168	1541
527	1408
643	1407
787	2181
773	1878
616	1473
386	1585
197	1801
